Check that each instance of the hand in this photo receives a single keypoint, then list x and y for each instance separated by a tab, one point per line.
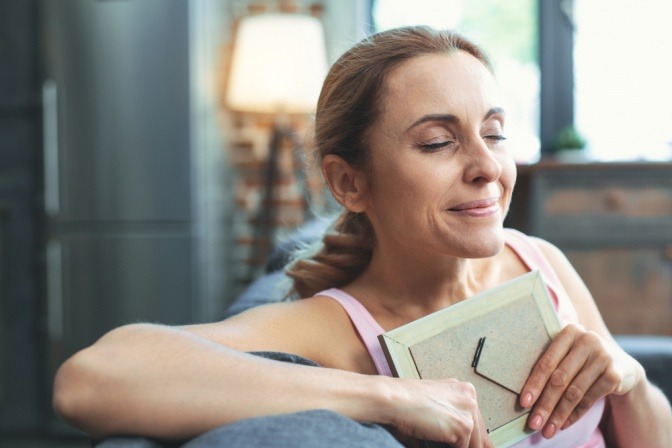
439	410
577	369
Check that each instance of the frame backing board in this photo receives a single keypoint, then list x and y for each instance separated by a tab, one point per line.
510	326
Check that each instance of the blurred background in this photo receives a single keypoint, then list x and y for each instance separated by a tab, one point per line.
150	157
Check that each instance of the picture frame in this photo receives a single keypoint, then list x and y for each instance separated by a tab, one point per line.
492	340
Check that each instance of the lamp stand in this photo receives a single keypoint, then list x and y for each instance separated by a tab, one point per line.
266	219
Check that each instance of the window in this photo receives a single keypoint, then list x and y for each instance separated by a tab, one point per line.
508	33
623	78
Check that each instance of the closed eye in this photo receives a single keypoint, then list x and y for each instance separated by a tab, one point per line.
496	138
431	147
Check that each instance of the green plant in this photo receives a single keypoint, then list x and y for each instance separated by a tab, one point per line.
568	138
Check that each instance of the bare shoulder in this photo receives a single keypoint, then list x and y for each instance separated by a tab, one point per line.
317	328
580	296
562	266
570	279
550	250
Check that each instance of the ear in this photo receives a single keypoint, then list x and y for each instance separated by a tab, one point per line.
348	185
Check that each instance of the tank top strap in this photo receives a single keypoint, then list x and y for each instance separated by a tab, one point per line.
366	326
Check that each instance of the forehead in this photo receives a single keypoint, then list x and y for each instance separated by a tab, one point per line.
455	83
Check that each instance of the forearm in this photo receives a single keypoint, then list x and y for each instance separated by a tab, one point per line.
642	417
166	383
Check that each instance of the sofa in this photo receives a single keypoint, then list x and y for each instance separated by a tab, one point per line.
653	352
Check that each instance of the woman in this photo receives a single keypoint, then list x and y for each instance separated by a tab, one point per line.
409	132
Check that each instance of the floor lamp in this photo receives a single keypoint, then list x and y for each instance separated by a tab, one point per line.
278	66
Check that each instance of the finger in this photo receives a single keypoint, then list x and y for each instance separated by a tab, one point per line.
478	434
464	437
585	381
546	365
487	443
604	386
559	382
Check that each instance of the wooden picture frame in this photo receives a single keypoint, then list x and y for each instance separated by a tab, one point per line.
492	340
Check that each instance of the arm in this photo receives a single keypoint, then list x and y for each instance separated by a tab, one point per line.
168	383
582	365
176	383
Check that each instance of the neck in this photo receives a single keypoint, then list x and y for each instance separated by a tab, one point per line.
400	288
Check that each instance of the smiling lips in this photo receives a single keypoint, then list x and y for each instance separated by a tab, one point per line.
478	209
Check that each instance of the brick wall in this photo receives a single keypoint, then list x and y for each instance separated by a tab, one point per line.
260	221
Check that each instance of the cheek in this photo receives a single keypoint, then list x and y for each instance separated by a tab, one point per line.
508	179
509	172
387	174
409	180
389	186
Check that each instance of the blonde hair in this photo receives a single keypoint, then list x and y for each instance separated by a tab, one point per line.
349	104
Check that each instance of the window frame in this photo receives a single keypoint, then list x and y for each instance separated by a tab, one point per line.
556	67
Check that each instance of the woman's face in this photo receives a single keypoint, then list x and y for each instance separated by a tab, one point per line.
441	175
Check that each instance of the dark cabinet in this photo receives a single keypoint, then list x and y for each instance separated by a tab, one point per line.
21	386
134	174
614	223
112	184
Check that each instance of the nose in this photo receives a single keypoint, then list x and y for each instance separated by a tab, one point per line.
482	164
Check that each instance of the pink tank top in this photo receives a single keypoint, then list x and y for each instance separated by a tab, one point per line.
583	434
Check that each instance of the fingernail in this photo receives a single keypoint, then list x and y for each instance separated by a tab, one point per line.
526	402
549	431
536	422
565	425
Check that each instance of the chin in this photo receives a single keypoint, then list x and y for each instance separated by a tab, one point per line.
484	244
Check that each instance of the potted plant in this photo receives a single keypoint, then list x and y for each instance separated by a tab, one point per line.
569	145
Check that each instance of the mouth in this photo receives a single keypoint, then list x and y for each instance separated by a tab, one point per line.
478	208
480	203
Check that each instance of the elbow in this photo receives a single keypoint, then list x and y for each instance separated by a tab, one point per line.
67	389
84	385
74	397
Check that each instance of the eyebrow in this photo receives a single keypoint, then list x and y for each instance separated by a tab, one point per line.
450	118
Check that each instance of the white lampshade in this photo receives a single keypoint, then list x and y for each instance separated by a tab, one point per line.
279	63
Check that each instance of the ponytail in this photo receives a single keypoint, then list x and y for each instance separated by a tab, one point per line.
338	259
